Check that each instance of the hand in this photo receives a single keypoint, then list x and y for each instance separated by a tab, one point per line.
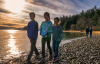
40	33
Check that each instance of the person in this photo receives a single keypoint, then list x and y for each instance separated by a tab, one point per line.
45	32
57	36
90	32
32	33
87	31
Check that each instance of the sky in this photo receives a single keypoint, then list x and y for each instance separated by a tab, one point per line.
15	13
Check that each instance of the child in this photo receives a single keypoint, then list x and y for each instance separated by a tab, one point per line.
45	31
90	32
87	31
32	33
57	36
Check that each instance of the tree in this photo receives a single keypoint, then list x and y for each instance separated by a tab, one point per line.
64	26
95	16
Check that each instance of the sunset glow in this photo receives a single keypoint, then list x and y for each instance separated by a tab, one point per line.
14	5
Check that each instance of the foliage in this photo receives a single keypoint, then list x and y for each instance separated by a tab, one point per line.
89	18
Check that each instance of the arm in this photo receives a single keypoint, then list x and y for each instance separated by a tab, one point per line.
50	29
30	30
60	34
40	28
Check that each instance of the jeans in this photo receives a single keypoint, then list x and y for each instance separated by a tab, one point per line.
90	34
48	39
33	48
87	34
55	48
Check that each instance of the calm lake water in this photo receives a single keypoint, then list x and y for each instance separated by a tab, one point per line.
15	42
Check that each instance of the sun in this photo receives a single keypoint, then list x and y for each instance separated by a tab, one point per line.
14	5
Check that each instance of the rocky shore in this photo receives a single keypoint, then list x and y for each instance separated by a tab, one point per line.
81	51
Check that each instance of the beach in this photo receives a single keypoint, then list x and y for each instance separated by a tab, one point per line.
94	32
80	51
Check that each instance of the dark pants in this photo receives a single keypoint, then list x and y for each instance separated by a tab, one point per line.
90	34
87	34
48	39
55	48
33	48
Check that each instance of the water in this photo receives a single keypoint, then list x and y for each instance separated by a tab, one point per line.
15	42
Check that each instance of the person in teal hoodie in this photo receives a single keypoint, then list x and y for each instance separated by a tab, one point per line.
32	33
57	36
45	32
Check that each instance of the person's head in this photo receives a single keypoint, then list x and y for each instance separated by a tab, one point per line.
56	21
87	27
46	16
32	15
90	27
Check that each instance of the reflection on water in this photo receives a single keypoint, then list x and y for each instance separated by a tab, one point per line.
12	45
11	31
70	35
14	42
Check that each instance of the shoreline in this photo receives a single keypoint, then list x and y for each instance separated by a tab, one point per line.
94	32
71	40
26	53
69	51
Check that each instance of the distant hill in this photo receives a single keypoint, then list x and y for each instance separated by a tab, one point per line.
2	27
89	18
25	28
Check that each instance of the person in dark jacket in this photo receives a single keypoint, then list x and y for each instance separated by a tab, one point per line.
87	31
32	33
90	32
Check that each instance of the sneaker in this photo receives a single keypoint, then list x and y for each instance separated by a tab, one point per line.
57	56
42	60
54	60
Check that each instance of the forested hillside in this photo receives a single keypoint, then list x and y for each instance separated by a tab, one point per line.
89	18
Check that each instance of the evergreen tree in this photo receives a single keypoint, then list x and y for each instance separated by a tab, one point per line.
95	16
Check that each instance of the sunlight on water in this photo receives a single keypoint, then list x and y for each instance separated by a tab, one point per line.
12	31
14	51
13	48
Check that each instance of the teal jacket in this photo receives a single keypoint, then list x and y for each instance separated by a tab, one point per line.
46	29
57	33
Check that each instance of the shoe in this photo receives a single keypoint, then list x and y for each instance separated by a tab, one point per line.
57	56
50	57
54	60
42	60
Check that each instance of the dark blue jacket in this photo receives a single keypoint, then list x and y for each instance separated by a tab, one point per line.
90	31
32	30
87	30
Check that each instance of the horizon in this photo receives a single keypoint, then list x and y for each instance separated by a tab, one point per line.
15	13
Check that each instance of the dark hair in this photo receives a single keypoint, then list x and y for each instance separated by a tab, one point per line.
58	20
47	13
32	13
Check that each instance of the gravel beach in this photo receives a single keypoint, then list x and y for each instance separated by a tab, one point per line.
81	51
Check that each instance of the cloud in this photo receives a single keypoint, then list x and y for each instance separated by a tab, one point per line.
4	10
6	20
59	6
1	2
65	7
56	8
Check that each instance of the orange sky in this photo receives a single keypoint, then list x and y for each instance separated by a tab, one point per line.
15	13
